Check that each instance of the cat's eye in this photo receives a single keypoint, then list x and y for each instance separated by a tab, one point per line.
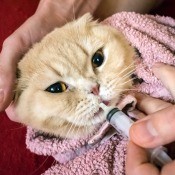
57	87
97	59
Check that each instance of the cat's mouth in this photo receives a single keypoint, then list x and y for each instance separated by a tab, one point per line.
105	102
100	109
98	112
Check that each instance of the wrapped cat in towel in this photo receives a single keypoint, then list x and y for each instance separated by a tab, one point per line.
63	79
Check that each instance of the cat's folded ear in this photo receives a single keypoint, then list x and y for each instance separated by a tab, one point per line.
86	18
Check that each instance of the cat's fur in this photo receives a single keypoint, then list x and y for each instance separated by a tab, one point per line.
65	55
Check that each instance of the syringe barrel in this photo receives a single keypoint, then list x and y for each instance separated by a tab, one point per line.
120	121
159	156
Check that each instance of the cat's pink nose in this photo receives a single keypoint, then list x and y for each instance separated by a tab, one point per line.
95	90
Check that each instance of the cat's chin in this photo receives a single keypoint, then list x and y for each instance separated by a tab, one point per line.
89	127
83	132
98	117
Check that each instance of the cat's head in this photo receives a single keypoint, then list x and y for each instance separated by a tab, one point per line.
64	77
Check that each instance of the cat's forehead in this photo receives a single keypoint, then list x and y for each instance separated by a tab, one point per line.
68	51
75	52
63	49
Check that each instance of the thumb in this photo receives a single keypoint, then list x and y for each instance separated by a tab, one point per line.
156	129
166	74
8	63
12	50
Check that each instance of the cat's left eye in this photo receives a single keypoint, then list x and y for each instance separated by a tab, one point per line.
57	87
97	59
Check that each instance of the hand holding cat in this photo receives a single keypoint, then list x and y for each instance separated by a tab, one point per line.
154	130
49	14
43	21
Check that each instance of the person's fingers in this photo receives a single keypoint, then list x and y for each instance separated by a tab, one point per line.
136	114
11	113
7	82
155	129
49	14
166	74
13	49
137	161
148	104
168	169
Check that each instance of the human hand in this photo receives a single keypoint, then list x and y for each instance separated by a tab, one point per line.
138	163
156	129
49	14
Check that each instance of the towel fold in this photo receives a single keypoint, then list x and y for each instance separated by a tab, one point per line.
154	40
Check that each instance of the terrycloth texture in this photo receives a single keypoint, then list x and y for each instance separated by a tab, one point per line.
103	159
154	39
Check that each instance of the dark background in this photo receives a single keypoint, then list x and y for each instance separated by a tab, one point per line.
15	159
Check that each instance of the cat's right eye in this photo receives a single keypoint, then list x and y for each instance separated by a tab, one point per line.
97	59
57	87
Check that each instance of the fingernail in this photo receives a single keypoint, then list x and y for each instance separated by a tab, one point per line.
1	95
144	131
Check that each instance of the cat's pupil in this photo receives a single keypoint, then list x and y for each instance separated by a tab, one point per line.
97	59
57	87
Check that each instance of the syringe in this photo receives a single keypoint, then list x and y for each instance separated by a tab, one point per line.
122	123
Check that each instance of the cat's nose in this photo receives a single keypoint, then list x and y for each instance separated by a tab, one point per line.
95	90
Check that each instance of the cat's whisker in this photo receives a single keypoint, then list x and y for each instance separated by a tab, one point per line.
17	128
68	131
69	128
123	83
128	67
128	74
54	162
121	78
86	128
72	124
75	127
80	125
126	89
123	90
40	166
128	81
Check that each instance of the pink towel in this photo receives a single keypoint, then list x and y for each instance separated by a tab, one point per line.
154	40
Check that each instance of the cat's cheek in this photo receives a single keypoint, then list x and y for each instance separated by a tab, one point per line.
22	109
107	94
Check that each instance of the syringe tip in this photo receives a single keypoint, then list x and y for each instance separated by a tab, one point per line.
103	106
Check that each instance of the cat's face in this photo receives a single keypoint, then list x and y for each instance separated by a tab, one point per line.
65	77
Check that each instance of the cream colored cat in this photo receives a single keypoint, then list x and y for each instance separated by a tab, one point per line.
65	77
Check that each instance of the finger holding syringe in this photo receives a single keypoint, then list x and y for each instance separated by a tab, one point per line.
122	123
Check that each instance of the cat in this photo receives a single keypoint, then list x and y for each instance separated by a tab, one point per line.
63	78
